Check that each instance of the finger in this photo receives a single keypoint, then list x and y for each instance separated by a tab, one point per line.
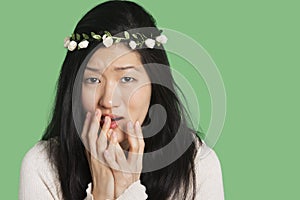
135	155
133	144
140	137
116	154
111	147
102	139
85	130
88	156
93	132
135	138
111	161
132	138
119	154
121	158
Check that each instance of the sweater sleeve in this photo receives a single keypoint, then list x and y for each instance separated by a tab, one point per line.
136	191
209	185
37	178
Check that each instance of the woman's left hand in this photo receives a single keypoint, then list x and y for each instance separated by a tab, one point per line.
126	170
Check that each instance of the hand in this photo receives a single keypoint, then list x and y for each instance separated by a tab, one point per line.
103	180
126	170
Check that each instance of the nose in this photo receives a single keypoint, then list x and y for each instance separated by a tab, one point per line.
108	96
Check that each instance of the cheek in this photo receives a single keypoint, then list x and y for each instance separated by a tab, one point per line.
87	98
139	103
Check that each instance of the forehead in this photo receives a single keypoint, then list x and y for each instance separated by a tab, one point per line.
115	55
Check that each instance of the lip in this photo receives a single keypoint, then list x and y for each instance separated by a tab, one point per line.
114	119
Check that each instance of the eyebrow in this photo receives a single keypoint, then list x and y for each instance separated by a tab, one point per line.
116	68
125	68
92	69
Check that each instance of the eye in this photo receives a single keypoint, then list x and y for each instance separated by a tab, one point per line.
92	80
127	79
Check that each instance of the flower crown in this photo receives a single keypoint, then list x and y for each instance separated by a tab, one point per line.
81	41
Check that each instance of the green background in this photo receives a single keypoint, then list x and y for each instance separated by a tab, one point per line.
255	45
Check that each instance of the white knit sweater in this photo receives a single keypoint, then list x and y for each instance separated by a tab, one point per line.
39	181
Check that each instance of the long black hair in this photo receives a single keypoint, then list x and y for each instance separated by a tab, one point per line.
65	149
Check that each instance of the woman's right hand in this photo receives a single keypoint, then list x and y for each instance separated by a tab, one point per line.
96	144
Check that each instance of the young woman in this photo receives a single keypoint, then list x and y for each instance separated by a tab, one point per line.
118	129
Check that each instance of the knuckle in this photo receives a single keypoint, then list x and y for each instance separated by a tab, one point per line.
142	144
134	147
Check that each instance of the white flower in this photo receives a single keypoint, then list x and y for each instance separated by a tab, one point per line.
132	44
72	45
162	39
83	44
66	42
107	40
150	43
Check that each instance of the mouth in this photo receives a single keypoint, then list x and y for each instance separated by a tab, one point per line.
114	119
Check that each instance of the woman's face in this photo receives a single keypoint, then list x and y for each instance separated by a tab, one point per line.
115	82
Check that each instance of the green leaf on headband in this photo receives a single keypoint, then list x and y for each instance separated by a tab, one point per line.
85	36
73	36
77	36
135	36
118	40
126	34
97	37
107	33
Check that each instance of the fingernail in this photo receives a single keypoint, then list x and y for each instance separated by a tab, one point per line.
88	115
105	119
97	112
